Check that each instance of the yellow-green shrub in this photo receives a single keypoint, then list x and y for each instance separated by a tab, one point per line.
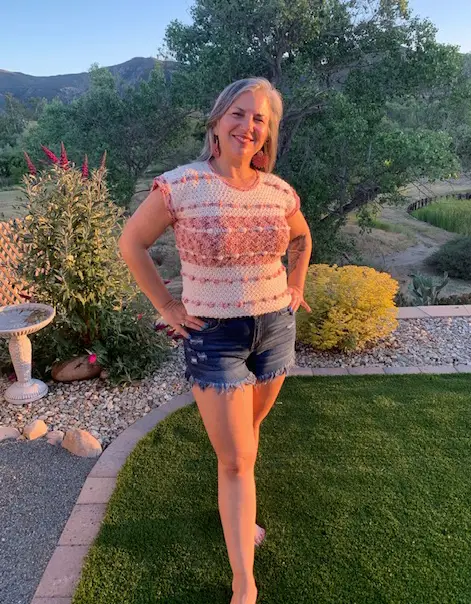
351	306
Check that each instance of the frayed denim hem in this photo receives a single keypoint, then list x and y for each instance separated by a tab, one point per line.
250	379
268	377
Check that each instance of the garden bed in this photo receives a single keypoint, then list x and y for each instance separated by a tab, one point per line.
106	411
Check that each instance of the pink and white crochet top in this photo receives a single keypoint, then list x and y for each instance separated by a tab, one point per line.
230	240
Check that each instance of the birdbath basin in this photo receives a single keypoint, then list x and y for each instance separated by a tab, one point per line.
16	323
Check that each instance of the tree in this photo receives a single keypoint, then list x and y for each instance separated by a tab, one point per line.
337	64
14	121
438	109
135	127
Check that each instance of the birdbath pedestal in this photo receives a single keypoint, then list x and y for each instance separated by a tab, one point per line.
16	323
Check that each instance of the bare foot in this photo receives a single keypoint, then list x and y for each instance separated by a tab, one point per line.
259	535
245	598
244	594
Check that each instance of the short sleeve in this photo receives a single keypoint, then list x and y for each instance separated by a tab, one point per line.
161	183
293	204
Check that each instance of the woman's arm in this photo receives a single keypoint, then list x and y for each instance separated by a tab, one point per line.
299	250
142	229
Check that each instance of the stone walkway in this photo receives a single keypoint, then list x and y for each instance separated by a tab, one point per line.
63	571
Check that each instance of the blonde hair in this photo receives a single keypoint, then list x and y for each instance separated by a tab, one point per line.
225	100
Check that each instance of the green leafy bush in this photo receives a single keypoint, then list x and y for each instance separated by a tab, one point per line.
72	262
454	258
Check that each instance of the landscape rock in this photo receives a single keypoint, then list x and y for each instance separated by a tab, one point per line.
78	368
82	443
55	437
35	429
7	432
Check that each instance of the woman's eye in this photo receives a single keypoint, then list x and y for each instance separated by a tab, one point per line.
258	119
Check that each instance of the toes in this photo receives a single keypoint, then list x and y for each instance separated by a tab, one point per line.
260	536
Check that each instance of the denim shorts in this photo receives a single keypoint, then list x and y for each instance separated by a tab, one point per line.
229	353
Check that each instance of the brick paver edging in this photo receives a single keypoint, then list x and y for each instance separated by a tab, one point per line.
62	573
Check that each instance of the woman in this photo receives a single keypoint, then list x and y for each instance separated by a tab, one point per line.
233	221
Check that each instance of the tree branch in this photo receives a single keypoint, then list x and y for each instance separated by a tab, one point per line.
363	194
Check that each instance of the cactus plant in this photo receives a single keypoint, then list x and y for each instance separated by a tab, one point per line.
425	290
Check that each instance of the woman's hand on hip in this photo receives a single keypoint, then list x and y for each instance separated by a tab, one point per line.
297	299
175	315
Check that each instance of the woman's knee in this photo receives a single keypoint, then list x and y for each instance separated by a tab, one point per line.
238	464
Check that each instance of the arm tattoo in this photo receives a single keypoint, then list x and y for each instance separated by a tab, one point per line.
295	248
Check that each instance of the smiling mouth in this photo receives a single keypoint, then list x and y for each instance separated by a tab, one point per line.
243	139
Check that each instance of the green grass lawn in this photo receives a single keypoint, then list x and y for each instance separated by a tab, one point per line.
448	213
363	483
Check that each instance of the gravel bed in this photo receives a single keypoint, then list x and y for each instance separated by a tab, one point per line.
105	411
416	342
96	406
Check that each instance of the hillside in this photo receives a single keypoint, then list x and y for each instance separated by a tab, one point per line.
70	86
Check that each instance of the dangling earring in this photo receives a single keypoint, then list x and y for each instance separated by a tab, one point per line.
215	149
260	160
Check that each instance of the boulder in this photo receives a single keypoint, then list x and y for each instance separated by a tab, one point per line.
7	432
35	429
55	437
82	443
78	368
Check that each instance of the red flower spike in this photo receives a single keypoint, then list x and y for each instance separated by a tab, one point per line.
92	359
139	316
31	166
85	168
64	162
50	154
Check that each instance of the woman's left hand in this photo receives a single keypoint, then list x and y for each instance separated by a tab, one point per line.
297	299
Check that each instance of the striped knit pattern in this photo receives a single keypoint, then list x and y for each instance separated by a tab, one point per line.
230	241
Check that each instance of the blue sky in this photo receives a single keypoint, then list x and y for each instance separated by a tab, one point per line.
49	37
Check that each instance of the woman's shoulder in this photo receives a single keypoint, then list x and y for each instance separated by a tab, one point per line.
286	192
184	172
276	181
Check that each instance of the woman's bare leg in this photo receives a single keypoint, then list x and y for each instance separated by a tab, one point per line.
264	397
228	419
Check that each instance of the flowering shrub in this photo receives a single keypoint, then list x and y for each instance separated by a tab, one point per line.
72	262
351	306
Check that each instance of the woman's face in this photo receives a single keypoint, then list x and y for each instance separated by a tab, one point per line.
243	129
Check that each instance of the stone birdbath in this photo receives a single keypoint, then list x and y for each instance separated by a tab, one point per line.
16	323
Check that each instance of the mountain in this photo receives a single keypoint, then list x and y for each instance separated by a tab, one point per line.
70	86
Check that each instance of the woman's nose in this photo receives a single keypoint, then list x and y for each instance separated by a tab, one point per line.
248	123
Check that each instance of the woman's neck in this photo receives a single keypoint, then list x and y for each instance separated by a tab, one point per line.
241	173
